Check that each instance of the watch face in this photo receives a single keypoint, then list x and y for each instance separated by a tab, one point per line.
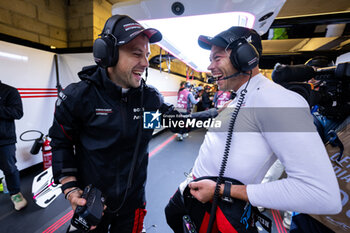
227	199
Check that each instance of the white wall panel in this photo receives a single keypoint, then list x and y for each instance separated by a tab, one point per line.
32	72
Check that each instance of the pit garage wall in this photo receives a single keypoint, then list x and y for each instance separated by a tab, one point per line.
33	73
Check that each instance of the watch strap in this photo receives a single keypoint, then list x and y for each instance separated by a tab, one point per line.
226	196
69	184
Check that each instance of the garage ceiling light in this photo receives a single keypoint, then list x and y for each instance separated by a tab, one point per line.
180	34
13	56
182	21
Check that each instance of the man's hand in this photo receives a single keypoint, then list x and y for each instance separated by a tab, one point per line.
75	196
75	199
202	190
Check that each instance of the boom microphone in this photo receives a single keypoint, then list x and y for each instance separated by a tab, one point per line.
212	79
296	73
230	76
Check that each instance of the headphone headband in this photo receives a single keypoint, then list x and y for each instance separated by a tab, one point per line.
110	24
236	43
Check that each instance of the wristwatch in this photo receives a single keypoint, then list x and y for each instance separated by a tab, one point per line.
226	196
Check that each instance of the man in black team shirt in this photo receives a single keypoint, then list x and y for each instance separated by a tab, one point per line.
97	130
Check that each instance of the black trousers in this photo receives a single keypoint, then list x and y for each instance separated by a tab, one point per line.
121	223
228	216
8	166
127	223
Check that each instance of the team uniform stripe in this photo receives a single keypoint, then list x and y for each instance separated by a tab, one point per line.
136	221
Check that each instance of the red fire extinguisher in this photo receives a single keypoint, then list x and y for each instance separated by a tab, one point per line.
47	154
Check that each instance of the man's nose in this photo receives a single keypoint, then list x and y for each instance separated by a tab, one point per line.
210	67
144	62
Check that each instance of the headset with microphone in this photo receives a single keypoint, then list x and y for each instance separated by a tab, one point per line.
244	56
105	48
230	76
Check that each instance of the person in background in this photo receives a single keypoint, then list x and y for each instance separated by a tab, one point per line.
198	91
206	102
10	110
185	102
220	98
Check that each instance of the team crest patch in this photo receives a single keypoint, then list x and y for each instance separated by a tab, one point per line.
103	111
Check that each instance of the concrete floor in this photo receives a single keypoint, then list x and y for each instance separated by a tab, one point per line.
167	165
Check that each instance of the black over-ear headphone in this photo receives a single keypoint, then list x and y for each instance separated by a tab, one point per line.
105	48
244	56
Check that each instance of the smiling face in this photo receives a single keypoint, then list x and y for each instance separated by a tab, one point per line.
221	66
132	62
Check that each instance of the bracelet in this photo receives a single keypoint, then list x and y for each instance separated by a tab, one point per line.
69	184
70	192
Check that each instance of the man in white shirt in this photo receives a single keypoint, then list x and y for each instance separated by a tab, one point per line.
272	123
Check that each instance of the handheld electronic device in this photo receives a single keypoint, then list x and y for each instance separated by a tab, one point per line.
91	213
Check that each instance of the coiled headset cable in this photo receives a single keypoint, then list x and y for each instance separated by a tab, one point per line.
226	154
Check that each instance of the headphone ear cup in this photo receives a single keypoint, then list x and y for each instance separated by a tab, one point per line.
233	59
244	56
105	52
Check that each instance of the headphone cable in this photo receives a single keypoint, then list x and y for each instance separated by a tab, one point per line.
226	154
